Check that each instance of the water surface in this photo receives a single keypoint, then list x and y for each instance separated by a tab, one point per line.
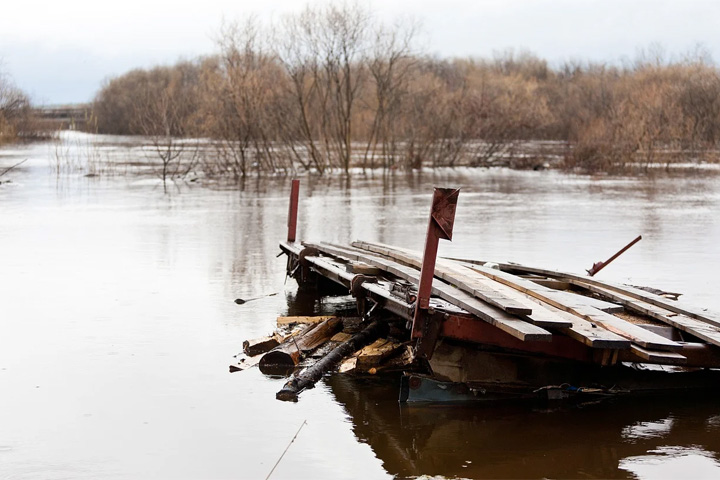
117	324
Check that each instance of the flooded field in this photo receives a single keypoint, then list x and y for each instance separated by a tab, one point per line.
117	323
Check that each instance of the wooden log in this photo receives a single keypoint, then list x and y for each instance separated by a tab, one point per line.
308	377
261	345
288	354
285	321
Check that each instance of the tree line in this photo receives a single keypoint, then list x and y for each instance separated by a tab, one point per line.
16	118
332	88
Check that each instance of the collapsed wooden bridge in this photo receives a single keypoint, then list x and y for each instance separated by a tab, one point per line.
481	330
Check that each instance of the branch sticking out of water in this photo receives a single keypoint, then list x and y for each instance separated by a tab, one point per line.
16	165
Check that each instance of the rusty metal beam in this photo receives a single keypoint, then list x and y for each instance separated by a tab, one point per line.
470	329
600	265
440	225
293	211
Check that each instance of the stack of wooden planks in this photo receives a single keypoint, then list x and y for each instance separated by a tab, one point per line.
299	338
525	303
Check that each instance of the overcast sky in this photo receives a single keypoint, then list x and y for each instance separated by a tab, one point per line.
60	51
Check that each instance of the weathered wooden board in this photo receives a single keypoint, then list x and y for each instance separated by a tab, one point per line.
675	306
462	279
508	323
654	356
373	354
550	283
244	363
709	333
579	307
285	321
607	307
575	327
340	337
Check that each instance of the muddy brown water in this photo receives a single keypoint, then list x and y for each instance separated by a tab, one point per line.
117	326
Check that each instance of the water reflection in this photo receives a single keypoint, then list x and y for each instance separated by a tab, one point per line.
618	439
118	316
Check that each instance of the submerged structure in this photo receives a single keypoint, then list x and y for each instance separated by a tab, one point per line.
467	330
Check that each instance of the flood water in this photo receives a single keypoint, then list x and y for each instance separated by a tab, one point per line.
117	325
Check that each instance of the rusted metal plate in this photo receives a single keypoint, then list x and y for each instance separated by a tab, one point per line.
443	210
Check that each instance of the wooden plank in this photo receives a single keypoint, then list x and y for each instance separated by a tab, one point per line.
284	321
654	356
340	337
508	323
514	326
579	307
579	329
553	283
464	281
607	307
693	326
373	354
244	363
634	333
675	306
585	332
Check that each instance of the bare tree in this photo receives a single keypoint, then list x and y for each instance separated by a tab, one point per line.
14	110
163	112
323	51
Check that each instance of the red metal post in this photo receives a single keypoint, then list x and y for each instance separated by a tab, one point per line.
292	214
442	218
600	265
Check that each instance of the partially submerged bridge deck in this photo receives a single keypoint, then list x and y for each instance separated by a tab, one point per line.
507	328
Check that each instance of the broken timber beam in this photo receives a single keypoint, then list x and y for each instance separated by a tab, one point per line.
705	331
288	354
675	306
308	377
642	337
516	327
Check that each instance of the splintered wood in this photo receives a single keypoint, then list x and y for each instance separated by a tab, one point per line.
371	356
284	321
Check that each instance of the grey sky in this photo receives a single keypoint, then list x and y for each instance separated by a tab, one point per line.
60	51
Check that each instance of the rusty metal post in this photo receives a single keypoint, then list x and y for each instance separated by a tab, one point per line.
293	212
442	218
600	265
